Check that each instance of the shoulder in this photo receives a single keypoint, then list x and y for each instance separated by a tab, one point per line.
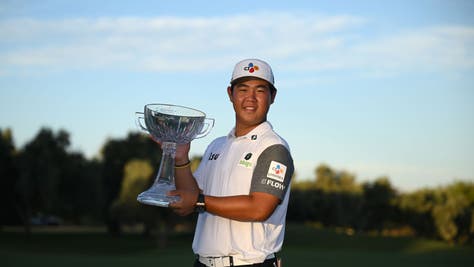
218	142
273	147
271	138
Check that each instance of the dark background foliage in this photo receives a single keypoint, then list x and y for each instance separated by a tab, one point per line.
44	182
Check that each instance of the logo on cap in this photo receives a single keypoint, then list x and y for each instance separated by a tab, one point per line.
251	68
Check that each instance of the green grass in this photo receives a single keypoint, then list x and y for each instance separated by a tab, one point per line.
304	246
310	247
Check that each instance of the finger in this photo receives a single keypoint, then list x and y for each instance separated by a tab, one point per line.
155	140
173	193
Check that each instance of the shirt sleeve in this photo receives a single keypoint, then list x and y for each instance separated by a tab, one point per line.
273	171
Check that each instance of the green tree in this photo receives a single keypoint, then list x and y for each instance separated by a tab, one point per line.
416	208
333	198
8	179
115	155
379	208
445	212
40	164
126	209
80	190
329	180
453	210
139	175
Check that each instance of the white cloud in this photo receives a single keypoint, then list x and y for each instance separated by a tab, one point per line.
302	41
427	48
157	43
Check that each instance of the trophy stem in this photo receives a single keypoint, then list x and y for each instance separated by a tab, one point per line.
164	181
166	171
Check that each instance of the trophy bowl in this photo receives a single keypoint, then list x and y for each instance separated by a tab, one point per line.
170	125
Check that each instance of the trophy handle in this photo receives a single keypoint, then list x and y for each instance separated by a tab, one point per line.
206	128
140	120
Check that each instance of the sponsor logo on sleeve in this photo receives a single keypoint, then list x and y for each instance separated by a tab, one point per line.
272	183
277	171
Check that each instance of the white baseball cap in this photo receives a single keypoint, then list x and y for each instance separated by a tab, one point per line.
253	68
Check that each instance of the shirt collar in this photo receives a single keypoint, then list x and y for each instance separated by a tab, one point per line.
252	135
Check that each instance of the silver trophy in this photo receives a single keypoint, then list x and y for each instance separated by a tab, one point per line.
170	125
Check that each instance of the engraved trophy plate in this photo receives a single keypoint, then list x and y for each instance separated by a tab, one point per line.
170	125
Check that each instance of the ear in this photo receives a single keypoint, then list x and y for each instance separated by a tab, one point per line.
229	93
273	96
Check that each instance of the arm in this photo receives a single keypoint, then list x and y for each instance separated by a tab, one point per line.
270	181
186	186
184	179
257	206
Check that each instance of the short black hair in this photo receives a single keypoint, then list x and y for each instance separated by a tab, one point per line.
248	78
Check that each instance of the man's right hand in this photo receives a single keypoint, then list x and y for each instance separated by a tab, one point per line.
182	152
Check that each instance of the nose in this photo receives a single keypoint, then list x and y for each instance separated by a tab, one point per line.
252	94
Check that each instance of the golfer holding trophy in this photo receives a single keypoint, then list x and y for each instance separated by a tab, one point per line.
241	187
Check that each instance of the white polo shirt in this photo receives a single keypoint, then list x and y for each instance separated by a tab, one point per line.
257	162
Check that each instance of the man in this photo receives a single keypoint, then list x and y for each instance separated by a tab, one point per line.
241	187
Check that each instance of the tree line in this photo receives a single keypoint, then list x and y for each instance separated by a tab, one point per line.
336	199
46	182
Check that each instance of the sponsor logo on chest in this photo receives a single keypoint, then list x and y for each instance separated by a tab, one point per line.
213	156
246	160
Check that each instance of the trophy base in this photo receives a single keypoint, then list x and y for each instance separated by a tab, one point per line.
156	195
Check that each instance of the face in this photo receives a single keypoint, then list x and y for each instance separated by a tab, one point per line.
251	100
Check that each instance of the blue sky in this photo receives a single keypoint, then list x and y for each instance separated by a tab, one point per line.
370	87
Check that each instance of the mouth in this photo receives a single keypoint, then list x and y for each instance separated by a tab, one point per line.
250	108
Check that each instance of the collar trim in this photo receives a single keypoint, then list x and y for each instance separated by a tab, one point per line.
252	135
